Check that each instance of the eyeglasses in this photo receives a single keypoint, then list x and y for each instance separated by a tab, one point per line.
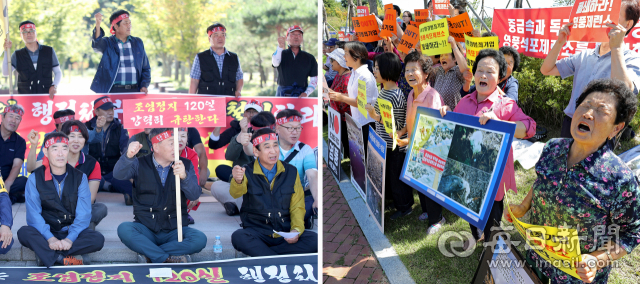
292	129
28	32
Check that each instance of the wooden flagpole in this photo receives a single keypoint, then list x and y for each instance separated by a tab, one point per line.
176	151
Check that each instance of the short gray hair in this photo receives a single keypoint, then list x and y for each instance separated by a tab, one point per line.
15	108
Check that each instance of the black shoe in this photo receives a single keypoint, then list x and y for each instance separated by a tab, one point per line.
399	214
127	200
191	221
231	208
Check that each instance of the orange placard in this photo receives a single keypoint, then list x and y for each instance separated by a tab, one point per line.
441	7
342	36
422	15
366	28
459	26
589	20
389	24
409	39
388	6
415	24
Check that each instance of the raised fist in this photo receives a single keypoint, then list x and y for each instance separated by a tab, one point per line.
244	138
33	137
101	121
244	124
98	17
281	41
238	173
7	43
134	147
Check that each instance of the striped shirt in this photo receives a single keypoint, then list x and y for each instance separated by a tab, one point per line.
126	71
399	103
448	84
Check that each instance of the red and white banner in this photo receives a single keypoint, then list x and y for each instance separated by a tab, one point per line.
39	111
441	7
535	31
175	112
589	18
362	11
430	159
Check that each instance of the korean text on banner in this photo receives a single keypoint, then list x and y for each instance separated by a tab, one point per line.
386	111
459	26
409	39
589	18
558	246
342	36
362	97
362	11
421	15
389	24
366	28
413	23
441	7
434	37
476	44
173	112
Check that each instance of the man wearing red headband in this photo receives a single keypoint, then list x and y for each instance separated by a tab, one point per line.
153	234
294	66
12	150
262	214
59	117
216	71
35	63
59	209
124	67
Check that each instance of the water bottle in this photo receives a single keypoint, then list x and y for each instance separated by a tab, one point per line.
217	248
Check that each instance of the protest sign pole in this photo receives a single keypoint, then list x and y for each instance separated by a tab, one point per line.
178	201
478	17
5	12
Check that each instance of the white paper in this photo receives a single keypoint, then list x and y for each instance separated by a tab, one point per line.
286	235
160	272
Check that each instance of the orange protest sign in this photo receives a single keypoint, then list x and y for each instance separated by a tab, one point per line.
409	39
441	7
415	24
589	20
422	15
388	6
459	26
366	28
389	24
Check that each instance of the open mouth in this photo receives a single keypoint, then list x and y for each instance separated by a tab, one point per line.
583	127
482	84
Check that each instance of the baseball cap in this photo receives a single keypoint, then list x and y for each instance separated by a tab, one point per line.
254	104
103	103
331	42
294	28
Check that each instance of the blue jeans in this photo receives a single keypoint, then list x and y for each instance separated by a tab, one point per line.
159	246
280	93
8	248
121	186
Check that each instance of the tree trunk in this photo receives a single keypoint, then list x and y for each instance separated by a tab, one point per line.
373	6
352	12
184	71
260	68
360	2
325	28
177	70
426	2
250	76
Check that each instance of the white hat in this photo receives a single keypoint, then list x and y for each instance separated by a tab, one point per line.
254	104
338	55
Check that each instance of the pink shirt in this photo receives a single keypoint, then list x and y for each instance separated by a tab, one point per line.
428	98
506	110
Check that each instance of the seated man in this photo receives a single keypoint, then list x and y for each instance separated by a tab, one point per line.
59	117
59	209
259	221
153	234
143	139
6	220
217	140
236	154
299	155
12	149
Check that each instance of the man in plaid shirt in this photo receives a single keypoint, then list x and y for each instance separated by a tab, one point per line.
216	71
124	67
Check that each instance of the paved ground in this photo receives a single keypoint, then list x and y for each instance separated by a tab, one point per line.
347	255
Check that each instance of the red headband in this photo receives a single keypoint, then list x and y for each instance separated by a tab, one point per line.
258	128
216	29
16	111
74	128
284	120
102	101
162	136
54	140
27	26
263	138
117	20
183	129
63	119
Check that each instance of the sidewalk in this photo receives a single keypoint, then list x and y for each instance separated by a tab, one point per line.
347	255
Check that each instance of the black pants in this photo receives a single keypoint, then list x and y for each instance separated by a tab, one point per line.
223	172
365	137
253	243
16	192
98	212
88	241
401	193
495	218
344	137
565	132
432	208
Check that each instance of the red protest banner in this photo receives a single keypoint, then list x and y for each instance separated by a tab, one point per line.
342	36
409	39
174	112
432	160
362	11
422	15
366	28
441	7
389	24
459	26
589	18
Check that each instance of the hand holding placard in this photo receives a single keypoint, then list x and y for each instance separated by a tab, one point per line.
366	28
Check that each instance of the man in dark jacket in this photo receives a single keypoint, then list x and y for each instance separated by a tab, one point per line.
124	67
107	145
59	209
295	66
272	223
12	150
154	233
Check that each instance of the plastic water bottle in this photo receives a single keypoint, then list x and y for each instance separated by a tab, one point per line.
217	248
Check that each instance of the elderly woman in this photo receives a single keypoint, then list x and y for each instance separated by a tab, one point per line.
488	103
339	85
583	184
448	78
355	54
508	85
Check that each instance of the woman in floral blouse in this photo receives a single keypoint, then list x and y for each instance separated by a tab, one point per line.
581	183
340	83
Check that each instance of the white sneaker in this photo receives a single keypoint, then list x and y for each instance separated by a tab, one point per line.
435	227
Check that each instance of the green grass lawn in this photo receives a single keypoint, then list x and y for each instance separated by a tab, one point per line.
425	262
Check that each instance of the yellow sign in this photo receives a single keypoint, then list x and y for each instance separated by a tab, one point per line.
2	188
434	37
386	111
362	97
475	44
558	246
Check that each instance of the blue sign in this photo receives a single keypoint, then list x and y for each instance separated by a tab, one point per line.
376	163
